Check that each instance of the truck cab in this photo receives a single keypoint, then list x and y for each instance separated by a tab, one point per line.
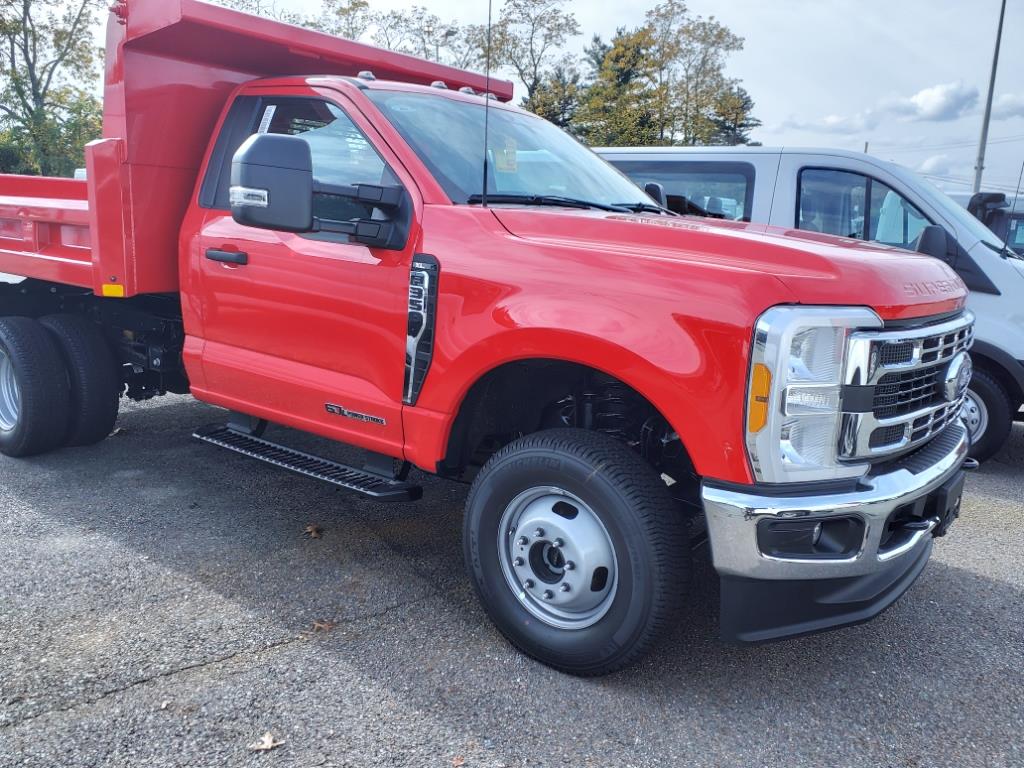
858	196
383	252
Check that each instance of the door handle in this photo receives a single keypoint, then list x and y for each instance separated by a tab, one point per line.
228	257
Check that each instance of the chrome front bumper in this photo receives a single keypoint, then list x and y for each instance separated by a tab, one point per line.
733	516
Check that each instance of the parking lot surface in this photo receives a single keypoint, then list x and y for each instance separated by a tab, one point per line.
163	604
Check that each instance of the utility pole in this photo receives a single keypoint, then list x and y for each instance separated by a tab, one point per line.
979	166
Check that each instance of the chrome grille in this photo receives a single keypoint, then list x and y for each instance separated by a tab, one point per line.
906	371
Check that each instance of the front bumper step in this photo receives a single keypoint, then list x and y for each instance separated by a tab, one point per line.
369	484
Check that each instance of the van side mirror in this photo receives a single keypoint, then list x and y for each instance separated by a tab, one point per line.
656	192
982	202
272	187
935	241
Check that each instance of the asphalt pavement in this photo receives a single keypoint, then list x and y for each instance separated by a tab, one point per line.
164	603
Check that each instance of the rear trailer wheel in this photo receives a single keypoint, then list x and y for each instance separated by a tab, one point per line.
93	374
578	552
34	391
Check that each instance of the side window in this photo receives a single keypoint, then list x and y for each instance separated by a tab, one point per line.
893	220
342	154
853	205
724	189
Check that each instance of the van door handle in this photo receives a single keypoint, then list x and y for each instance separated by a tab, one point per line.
227	257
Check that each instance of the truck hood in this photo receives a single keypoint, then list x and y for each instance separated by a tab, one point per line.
816	268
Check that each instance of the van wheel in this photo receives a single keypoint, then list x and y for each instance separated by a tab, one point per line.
988	414
576	549
34	391
94	377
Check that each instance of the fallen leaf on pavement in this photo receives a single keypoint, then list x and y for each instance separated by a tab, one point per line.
323	626
313	532
265	743
458	761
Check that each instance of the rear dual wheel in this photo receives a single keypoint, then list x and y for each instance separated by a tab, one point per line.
59	384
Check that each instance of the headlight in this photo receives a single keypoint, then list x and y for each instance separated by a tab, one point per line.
793	399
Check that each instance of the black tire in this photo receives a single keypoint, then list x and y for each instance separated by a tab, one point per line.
1000	411
646	528
42	382
94	377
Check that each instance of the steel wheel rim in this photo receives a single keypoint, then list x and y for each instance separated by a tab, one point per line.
975	415
10	393
553	547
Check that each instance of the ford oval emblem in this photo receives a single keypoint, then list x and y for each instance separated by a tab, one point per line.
957	377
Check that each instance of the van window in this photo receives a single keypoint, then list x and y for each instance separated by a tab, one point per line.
724	189
853	205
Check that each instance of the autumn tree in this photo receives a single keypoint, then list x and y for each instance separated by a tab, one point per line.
733	118
48	68
350	19
557	97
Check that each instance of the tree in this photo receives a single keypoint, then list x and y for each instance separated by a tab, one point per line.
619	107
557	97
47	65
733	117
700	64
530	36
350	19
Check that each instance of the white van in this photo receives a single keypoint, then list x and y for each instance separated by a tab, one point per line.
859	196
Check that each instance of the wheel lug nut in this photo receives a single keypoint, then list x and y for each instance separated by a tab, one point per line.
570	565
523	540
548	594
539	533
557	543
528	583
518	561
565	587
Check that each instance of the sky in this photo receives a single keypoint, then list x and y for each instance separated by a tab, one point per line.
909	77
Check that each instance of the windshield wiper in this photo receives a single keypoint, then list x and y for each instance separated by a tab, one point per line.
552	200
641	207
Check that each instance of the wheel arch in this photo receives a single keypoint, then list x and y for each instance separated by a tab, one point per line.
1000	364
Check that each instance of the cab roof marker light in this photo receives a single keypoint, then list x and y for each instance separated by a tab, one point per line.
366	75
439	84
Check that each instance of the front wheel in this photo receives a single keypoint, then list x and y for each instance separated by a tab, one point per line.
577	550
988	415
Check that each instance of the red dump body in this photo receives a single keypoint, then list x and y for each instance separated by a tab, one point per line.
170	68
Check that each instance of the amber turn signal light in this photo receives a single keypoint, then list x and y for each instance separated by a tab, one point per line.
757	407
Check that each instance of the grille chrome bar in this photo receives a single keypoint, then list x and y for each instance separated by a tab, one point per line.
907	369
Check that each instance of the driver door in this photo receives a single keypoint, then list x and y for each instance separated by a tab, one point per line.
308	330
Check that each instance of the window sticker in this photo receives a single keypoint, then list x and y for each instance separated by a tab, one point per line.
268	118
507	160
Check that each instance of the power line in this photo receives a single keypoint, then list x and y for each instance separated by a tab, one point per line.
952	145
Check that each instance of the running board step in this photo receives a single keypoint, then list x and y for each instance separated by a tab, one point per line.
360	481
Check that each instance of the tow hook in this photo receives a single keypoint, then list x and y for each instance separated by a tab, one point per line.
970	465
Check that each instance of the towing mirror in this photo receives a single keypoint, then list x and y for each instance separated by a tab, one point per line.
272	187
935	241
272	183
982	202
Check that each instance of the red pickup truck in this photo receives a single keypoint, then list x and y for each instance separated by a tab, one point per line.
309	231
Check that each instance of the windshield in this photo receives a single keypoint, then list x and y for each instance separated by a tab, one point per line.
526	155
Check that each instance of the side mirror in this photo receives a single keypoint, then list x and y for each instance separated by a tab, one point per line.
656	192
272	187
935	241
272	183
981	203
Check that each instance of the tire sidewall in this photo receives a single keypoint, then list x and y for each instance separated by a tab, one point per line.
632	605
12	439
997	403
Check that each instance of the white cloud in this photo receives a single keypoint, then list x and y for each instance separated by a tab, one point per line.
938	103
1008	105
936	164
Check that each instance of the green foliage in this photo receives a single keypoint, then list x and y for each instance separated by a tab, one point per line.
48	66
